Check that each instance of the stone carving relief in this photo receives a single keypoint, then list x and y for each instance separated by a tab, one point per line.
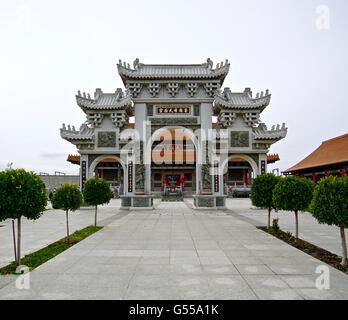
239	139
206	178
106	139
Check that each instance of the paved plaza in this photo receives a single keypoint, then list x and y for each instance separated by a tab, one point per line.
322	235
48	229
175	252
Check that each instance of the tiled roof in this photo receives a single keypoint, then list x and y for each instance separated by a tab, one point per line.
276	133
333	151
106	101
71	134
173	71
242	100
75	159
272	158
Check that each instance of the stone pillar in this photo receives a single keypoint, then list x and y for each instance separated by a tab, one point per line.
262	164
198	177
143	133
206	120
84	169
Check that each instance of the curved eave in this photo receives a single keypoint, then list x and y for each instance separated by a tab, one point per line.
127	74
89	105
312	167
220	103
76	138
275	139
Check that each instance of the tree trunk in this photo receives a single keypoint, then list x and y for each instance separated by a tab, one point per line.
269	218
296	221
344	262
14	239
67	225
18	240
95	216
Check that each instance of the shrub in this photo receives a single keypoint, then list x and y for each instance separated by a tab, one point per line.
22	194
95	192
330	205
67	197
262	192
293	194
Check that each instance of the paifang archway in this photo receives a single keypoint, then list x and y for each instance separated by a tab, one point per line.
162	96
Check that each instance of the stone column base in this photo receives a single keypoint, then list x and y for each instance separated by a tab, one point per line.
205	201
137	202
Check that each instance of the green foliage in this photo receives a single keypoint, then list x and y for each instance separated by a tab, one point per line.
330	201
35	259
262	190
96	191
293	194
67	197
22	193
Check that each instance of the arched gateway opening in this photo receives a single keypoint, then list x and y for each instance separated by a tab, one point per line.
173	160
111	169
239	173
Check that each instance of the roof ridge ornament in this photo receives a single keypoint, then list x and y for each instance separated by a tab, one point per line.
209	63
97	93
136	64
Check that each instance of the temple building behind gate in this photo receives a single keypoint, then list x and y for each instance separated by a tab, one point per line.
173	141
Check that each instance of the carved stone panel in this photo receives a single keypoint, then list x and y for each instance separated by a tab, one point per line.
239	139
106	139
206	178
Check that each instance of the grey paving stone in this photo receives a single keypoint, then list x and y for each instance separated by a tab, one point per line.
177	253
253	269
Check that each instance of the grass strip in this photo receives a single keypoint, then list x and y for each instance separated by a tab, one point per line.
319	253
35	259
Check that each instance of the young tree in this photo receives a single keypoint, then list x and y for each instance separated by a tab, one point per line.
262	192
95	192
67	197
330	205
293	194
22	194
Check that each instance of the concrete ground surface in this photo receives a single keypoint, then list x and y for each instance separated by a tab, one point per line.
50	227
322	235
175	252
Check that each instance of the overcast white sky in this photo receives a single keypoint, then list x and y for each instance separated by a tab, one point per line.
50	49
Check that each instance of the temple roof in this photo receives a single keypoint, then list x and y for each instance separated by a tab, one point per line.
104	101
276	133
71	134
173	71
330	152
242	100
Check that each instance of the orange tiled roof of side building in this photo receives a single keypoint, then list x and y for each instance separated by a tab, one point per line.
332	151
